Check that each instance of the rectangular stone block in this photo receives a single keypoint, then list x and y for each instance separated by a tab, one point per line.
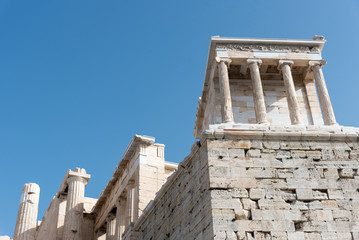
304	194
256	193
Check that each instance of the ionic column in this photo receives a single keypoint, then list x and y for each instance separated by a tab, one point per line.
111	227
120	218
325	103
74	207
258	96
227	114
130	202
294	113
25	228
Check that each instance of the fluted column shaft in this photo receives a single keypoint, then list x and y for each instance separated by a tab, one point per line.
227	114
111	228
258	96
293	106
120	218
325	103
74	208
130	203
25	228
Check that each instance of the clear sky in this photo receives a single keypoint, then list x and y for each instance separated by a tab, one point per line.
78	79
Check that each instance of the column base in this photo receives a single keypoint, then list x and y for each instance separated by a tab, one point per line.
264	123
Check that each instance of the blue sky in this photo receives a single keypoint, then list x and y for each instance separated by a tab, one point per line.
79	78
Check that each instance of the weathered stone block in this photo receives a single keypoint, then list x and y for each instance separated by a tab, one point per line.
255	193
256	153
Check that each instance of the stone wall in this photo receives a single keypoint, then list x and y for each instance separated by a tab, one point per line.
284	185
260	185
181	209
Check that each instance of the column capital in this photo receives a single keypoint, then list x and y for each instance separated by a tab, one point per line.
110	217
314	63
225	60
78	175
120	201
285	62
254	60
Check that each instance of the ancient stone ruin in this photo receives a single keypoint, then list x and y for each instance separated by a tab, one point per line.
270	162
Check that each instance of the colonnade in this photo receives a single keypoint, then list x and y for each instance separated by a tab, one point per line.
126	212
258	97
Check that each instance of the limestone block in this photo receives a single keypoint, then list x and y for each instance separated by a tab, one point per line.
243	182
321	215
284	173
346	173
341	153
273	204
241	235
271	144
261	172
315	155
234	203
327	154
262	235
343	226
223	214
315	205
302	183
241	214
283	154
298	153
314	226
304	194
277	193
242	144
299	145
236	153
329	235
279	235
257	144
217	152
221	194
272	183
344	236
342	215
295	235
351	194
312	235
354	154
297	163
249	204
253	153
255	193
335	194
299	205
354	226
301	173
249	225
346	204
219	171
239	193
319	195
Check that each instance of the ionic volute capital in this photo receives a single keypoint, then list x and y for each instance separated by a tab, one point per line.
284	62
227	61
254	60
319	63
